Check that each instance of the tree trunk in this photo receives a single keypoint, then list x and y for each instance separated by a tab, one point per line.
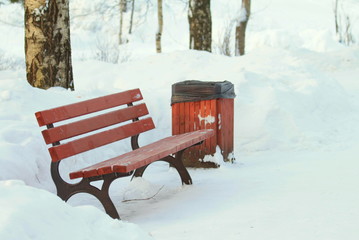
47	44
160	26
336	17
200	25
131	19
122	10
241	27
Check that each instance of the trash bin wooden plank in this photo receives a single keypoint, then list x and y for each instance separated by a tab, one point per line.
225	132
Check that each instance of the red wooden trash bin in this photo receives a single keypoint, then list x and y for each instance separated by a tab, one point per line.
202	105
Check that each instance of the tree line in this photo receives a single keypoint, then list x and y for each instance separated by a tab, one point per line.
47	36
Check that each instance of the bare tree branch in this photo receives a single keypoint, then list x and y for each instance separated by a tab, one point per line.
143	199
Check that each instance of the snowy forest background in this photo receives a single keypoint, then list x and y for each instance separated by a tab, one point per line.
296	124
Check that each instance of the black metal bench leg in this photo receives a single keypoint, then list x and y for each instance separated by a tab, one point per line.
104	197
109	207
65	190
175	162
139	171
101	194
181	169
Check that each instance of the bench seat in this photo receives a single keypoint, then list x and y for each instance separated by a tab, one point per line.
145	155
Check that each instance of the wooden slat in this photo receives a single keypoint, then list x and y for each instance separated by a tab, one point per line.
195	154
144	155
99	139
89	106
181	117
225	131
191	117
213	125
94	123
187	114
175	119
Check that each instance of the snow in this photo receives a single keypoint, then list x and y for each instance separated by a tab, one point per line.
209	119
296	132
242	16
23	217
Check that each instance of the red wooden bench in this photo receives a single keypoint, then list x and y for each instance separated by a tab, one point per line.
132	163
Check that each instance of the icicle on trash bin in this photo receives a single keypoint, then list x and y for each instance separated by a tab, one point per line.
203	105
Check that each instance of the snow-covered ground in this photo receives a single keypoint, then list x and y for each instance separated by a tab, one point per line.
296	127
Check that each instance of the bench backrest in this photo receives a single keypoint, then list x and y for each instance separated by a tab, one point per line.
93	123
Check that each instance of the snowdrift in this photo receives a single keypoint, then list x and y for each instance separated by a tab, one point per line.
296	131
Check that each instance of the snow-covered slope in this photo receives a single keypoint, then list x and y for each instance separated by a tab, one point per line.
296	131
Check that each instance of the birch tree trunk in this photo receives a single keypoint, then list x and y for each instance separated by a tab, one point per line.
122	10
131	19
200	25
47	44
160	26
241	27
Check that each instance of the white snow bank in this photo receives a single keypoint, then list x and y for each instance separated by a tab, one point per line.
296	126
31	213
280	195
286	99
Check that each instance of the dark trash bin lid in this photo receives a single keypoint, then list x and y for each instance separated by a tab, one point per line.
194	90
